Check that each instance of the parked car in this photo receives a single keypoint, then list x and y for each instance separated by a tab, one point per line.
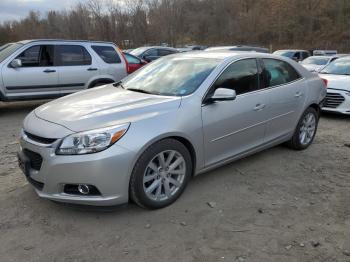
316	63
324	52
239	48
134	63
52	68
151	53
337	77
296	55
144	137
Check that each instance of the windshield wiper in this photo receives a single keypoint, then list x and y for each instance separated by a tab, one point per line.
119	83
141	91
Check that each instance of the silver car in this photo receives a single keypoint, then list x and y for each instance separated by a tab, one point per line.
36	69
182	115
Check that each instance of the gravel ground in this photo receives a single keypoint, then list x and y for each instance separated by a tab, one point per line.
278	205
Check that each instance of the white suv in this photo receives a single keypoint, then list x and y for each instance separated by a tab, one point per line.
35	69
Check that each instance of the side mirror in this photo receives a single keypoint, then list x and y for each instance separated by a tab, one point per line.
16	63
223	94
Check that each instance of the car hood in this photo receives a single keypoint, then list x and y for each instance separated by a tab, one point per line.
104	106
337	81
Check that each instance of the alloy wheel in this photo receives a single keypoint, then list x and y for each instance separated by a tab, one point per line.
307	129
164	175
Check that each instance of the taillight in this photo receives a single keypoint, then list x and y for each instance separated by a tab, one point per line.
128	69
325	81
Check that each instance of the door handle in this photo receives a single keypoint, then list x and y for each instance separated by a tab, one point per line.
298	94
92	69
49	71
259	107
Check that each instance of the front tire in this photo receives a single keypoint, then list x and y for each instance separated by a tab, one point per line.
161	174
306	129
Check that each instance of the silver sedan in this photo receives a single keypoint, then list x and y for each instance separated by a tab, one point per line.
182	115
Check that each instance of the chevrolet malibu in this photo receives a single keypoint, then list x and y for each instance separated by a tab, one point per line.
143	138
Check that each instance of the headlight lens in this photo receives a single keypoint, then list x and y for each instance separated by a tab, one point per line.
91	141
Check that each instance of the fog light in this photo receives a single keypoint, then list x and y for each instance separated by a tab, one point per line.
83	189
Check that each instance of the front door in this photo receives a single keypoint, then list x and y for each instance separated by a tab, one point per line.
36	76
234	127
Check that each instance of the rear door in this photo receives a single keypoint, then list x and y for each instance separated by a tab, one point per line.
111	62
287	94
75	67
36	76
235	127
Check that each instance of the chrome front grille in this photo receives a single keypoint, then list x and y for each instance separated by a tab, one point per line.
333	100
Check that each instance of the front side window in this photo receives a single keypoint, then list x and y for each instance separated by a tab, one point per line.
278	72
72	55
171	76
151	52
30	57
107	54
241	76
39	55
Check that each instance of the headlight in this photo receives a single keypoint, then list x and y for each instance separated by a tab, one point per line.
91	141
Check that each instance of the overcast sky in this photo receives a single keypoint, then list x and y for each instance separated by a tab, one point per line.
16	9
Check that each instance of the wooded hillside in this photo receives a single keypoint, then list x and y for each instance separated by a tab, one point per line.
307	24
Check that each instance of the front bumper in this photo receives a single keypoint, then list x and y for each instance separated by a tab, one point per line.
337	101
109	171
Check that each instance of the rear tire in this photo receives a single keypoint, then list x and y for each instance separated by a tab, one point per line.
161	174
305	131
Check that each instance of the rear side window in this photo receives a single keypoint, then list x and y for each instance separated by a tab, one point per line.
39	55
241	76
107	54
72	55
278	72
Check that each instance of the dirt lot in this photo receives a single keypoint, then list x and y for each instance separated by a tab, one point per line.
278	205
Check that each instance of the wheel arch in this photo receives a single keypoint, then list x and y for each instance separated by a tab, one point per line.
103	80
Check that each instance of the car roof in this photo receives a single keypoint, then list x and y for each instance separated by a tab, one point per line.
64	40
159	47
227	55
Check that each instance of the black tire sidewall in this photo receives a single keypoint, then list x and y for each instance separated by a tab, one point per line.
136	181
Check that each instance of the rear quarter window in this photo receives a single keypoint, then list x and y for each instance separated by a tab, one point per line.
107	53
278	72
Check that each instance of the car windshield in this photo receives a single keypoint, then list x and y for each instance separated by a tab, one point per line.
138	51
5	46
7	51
340	66
171	76
289	54
315	61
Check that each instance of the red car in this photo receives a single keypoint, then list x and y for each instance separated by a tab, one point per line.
134	62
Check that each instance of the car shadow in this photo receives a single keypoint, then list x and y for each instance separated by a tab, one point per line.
335	116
